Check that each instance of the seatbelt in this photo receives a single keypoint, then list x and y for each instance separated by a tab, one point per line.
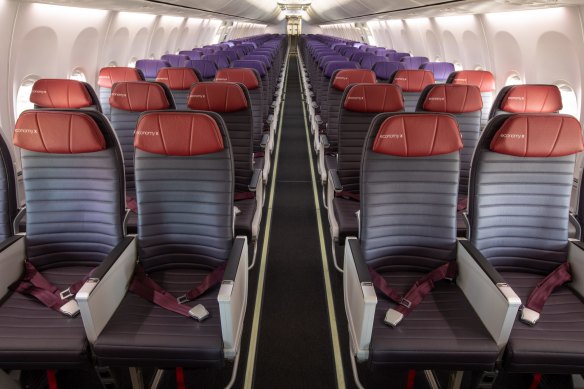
415	295
243	196
131	204
532	309
35	284
148	289
462	204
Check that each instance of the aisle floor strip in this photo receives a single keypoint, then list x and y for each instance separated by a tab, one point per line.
253	341
323	254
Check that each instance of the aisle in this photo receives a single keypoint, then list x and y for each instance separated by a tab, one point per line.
294	348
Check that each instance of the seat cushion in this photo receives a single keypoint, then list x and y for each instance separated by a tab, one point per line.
244	219
34	336
556	343
344	210
443	332
143	334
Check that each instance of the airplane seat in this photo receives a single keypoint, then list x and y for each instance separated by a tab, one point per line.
465	104
412	63
220	61
240	51
191	54
64	94
208	50
230	54
370	61
441	70
358	56
326	141
129	100
207	69
372	49
384	52
266	87
108	77
359	105
150	67
397	56
409	188
529	98
184	185
8	194
252	81
74	185
231	101
412	83
175	60
384	70
519	201
347	51
484	80
179	81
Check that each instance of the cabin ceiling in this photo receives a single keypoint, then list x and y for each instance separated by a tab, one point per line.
317	11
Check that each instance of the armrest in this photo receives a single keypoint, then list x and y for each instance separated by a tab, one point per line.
232	297
360	299
318	119
335	180
314	105
265	140
576	259
12	256
493	300
574	222
324	141
270	119
255	179
18	219
101	295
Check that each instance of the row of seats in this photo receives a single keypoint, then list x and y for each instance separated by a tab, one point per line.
401	180
189	175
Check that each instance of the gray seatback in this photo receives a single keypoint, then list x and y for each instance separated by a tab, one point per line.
231	101
128	101
484	80
464	102
409	189
108	77
412	83
74	185
184	188
519	192
360	104
179	81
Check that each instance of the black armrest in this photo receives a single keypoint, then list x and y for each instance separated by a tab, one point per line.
10	241
324	141
336	181
255	179
483	263
233	260
360	265
265	140
112	257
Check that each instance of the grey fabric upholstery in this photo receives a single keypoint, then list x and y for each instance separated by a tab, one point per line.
411	100
181	98
104	95
124	123
518	207
487	104
8	199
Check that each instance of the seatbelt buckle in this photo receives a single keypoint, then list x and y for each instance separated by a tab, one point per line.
405	302
529	316
66	294
182	299
70	308
393	317
199	312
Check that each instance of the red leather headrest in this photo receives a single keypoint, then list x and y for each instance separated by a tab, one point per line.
481	78
538	136
55	93
58	132
452	98
245	76
138	96
177	78
109	76
532	99
345	77
418	135
413	80
217	97
374	98
178	134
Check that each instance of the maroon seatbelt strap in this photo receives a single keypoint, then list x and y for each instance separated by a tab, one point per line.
244	196
532	309
462	204
36	285
131	204
415	295
349	195
148	289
